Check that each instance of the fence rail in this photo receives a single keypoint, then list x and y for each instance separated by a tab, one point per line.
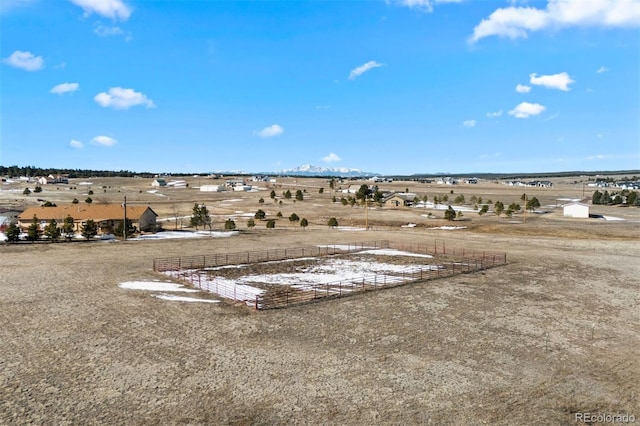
248	257
193	270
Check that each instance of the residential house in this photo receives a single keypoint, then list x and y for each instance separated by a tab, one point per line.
107	216
159	182
399	199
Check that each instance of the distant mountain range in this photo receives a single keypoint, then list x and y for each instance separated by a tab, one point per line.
311	170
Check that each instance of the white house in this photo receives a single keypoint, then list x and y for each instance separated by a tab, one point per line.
577	210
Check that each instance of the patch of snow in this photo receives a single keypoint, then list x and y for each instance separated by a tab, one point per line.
152	191
155	286
449	228
394	252
408	225
3	236
612	218
183	298
165	235
84	183
350	228
572	200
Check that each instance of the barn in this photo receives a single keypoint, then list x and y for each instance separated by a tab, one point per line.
577	210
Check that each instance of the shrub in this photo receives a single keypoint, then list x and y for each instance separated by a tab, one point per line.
271	223
333	222
229	225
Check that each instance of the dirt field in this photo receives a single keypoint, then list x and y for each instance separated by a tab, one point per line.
554	332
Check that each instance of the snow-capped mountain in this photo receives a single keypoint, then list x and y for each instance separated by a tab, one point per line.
311	170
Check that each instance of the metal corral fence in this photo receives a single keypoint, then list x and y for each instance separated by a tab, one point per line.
248	257
193	271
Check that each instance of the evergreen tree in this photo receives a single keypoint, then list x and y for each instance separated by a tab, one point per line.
229	225
333	222
483	210
450	214
52	231
498	207
12	233
271	223
26	191
533	204
321	191
88	200
33	231
460	199
299	195
75	201
37	189
279	214
67	227
287	194
119	229
260	214
200	216
90	229
304	223
261	200
294	217
272	194
251	223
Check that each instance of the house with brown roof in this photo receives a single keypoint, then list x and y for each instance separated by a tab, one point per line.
107	216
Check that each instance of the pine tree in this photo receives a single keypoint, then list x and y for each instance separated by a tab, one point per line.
229	225
333	222
67	227
304	223
12	233
33	231
90	229
450	214
299	195
52	231
251	223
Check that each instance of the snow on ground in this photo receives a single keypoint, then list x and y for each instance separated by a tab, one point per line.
244	265
155	286
572	200
350	228
344	247
394	252
612	218
408	225
3	237
183	298
331	276
449	228
84	183
180	234
430	205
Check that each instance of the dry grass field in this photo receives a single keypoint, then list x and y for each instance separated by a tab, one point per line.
554	332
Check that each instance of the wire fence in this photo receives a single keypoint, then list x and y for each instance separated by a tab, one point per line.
249	257
193	270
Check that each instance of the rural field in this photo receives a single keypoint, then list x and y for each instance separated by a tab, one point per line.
554	332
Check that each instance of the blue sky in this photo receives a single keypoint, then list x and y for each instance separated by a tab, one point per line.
393	87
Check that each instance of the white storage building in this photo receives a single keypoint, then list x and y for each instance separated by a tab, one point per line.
577	210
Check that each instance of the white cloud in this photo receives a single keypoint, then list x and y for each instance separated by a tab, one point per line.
270	131
526	110
120	98
521	88
559	81
469	123
424	5
104	31
517	22
103	141
331	158
64	88
76	144
113	9
602	69
24	60
600	157
357	71
494	114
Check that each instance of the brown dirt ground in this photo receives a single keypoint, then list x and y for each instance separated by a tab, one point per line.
554	332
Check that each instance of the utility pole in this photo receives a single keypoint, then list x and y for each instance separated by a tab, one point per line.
124	227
